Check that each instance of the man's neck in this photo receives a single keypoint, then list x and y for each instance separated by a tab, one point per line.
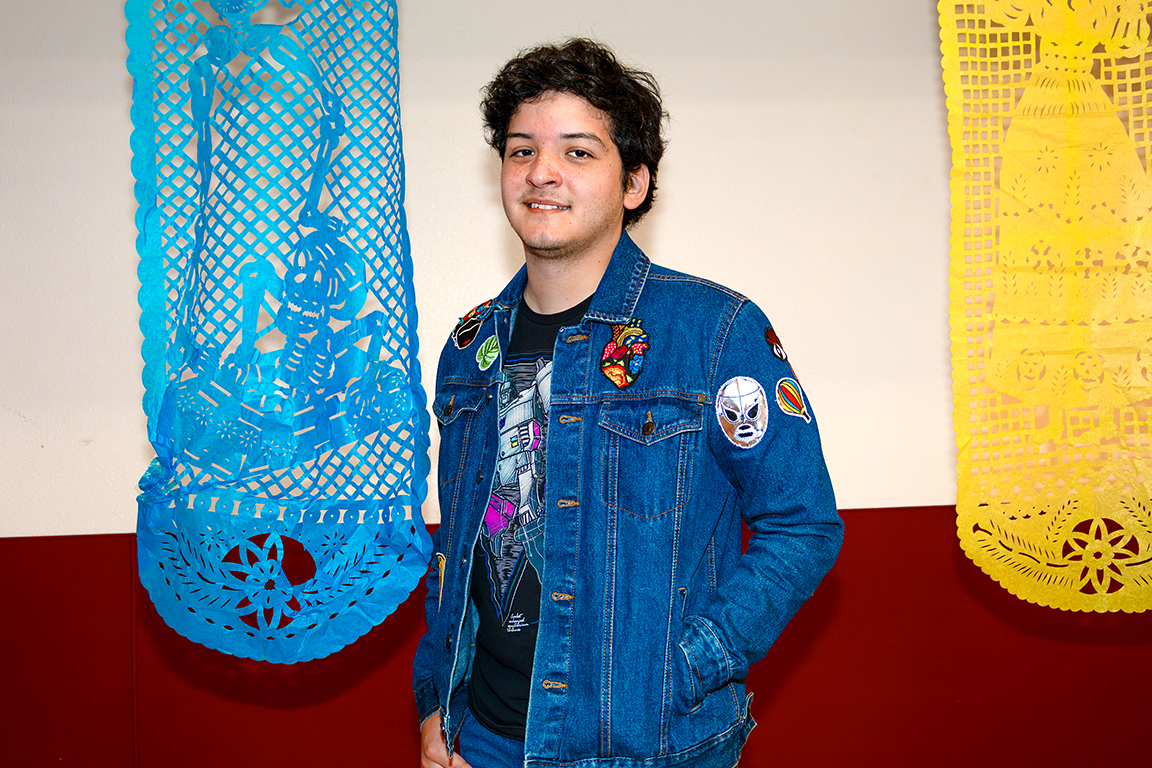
555	285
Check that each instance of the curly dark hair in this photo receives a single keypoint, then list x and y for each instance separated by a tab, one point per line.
629	98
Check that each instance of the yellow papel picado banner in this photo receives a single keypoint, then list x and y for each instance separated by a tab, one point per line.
1050	119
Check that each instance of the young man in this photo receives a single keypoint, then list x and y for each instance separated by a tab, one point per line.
606	427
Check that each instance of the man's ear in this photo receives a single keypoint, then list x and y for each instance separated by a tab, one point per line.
636	188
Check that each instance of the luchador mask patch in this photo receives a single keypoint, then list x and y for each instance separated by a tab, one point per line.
469	325
623	357
774	342
742	410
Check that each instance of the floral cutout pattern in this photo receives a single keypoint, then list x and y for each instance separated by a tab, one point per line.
1100	547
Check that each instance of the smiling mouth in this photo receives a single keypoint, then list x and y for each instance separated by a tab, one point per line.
547	207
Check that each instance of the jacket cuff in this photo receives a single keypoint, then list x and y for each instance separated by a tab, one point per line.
708	665
427	702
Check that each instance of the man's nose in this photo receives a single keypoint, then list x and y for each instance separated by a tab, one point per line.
544	171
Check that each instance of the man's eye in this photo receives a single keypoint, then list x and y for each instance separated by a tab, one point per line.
520	153
580	153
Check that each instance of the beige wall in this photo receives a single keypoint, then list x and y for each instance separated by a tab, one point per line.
808	168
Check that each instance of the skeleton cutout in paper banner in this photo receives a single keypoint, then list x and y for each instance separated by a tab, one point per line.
1052	296
280	519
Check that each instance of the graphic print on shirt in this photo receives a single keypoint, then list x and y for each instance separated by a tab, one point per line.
513	533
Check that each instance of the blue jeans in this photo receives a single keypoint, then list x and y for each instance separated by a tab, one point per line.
484	749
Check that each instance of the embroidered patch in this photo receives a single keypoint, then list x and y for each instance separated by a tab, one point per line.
791	399
623	357
774	341
488	352
469	325
742	410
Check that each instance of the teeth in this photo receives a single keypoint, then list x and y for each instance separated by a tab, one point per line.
544	207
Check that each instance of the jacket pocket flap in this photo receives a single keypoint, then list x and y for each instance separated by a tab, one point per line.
450	402
653	419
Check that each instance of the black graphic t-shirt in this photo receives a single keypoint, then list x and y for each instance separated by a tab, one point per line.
510	550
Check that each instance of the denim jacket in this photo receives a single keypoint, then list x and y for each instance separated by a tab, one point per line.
650	615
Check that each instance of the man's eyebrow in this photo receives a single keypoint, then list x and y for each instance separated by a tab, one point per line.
563	137
585	136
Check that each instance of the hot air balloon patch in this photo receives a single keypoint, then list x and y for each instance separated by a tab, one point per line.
469	325
742	410
791	399
623	357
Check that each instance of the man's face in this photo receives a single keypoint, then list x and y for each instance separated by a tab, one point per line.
561	178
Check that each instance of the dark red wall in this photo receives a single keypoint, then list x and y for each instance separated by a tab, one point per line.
907	656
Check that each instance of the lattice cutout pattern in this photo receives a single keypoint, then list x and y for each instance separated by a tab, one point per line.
1051	296
280	519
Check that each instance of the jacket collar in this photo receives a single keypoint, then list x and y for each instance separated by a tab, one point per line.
619	290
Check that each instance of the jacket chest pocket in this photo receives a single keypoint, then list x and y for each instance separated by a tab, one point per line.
456	409
649	446
453	402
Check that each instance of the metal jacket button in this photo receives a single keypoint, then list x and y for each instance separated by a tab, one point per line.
649	425
448	643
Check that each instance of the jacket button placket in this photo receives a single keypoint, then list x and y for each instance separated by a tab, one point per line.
566	445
